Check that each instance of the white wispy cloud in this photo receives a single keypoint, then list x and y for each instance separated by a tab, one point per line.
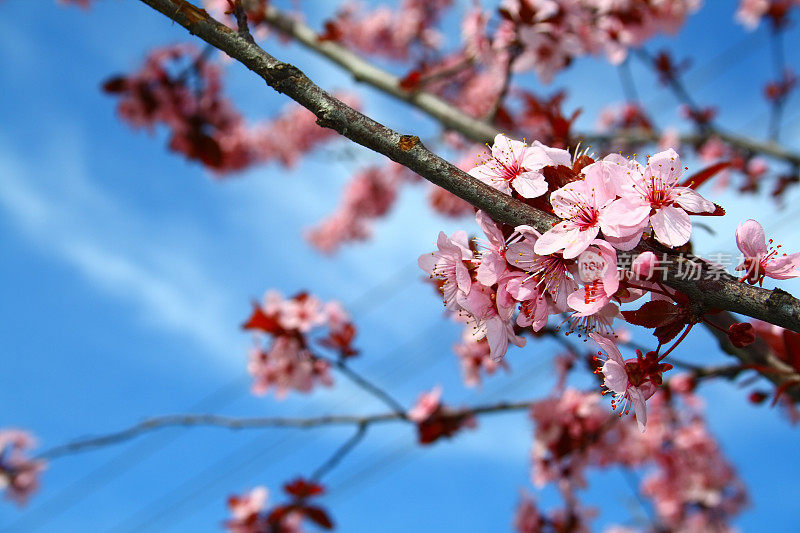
55	206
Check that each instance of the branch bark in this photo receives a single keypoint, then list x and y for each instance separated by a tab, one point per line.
724	292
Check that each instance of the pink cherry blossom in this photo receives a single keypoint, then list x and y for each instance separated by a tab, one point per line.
565	427
761	260
286	365
693	487
535	313
369	195
474	358
388	32
750	12
527	517
553	33
447	203
19	474
302	313
633	380
447	264
493	258
552	272
651	195
246	510
582	205
492	321
435	420
597	268
513	164
427	404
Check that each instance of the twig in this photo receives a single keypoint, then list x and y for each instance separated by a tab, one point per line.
633	484
241	20
366	385
703	372
472	128
780	69
340	453
626	79
674	83
207	420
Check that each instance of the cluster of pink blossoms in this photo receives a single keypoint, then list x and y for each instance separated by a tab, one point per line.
512	282
572	268
553	33
388	32
19	474
369	195
434	420
762	260
249	512
692	485
287	361
750	12
180	88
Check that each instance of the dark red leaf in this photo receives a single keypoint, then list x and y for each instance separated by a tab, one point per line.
653	314
411	80
791	353
559	176
698	178
581	163
261	321
667	332
279	513
758	397
300	488
342	340
318	516
115	85
331	32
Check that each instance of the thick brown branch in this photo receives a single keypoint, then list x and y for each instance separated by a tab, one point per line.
776	307
724	292
205	420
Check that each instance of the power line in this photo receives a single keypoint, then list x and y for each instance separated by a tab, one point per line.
79	490
161	509
398	452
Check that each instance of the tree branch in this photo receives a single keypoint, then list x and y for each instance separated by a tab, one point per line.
206	420
367	386
716	292
340	452
480	131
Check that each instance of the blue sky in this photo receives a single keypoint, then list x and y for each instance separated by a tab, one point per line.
127	271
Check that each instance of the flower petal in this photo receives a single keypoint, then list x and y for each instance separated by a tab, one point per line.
530	184
498	338
615	378
639	407
664	168
624	216
784	267
692	201
556	239
580	241
750	238
671	226
608	346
